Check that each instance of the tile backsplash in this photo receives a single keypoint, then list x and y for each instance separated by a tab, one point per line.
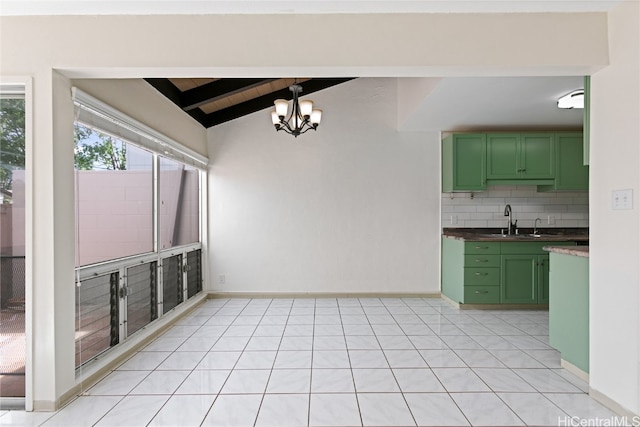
486	209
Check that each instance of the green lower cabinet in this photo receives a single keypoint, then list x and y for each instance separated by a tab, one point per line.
543	279
482	294
519	279
525	279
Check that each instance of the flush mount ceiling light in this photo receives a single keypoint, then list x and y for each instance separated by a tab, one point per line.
303	117
573	99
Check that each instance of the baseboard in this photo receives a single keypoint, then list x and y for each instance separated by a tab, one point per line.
584	376
45	406
613	405
217	295
495	306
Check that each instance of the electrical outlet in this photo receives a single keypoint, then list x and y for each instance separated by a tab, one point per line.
622	199
551	220
222	279
454	219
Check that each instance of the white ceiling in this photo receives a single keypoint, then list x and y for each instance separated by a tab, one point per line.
168	7
495	103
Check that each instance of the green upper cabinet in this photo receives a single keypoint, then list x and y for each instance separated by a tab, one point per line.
520	156
571	173
464	163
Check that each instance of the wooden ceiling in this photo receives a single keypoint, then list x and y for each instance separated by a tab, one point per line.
214	101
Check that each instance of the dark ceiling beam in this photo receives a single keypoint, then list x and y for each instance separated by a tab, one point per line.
266	101
213	91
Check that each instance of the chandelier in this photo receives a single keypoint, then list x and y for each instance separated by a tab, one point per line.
302	118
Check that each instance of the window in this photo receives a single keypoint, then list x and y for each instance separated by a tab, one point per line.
12	241
138	215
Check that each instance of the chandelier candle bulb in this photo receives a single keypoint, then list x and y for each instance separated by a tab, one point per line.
281	107
305	108
316	116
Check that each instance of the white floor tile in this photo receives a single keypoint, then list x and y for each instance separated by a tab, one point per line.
328	330
516	359
118	383
161	382
418	381
354	319
384	409
368	359
233	410
219	360
294	330
25	419
417	329
239	331
549	358
263	343
183	411
334	410
329	343
362	342
184	360
545	380
196	343
331	381
375	381
442	359
460	342
503	380
479	359
486	409
460	380
534	409
84	411
256	360
357	329
281	410
246	381
296	343
387	329
493	342
165	344
203	382
227	343
435	409
405	359
395	342
428	342
293	360
269	331
330	359
581	406
289	381
300	320
133	411
144	361
247	320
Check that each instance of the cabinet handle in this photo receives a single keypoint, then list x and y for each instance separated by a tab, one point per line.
524	169
482	260
481	274
482	247
482	292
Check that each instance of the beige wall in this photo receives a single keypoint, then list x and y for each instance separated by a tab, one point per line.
615	234
53	49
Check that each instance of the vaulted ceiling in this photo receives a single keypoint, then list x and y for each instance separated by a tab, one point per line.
212	101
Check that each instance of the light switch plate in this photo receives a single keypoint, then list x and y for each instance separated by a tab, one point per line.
622	199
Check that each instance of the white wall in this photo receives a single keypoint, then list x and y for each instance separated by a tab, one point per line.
353	207
615	234
486	208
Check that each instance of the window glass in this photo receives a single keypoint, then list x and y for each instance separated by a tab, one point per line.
179	204
114	198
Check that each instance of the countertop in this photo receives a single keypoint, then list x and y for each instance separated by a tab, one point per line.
524	235
582	251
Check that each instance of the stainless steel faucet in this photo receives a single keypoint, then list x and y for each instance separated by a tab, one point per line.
535	226
510	225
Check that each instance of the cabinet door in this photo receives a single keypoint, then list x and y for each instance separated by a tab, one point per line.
543	279
537	156
464	163
571	174
519	279
502	156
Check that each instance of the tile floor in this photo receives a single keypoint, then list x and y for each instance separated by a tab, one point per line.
336	362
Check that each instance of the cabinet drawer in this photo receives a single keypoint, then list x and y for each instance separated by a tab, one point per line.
482	248
482	294
482	276
481	260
